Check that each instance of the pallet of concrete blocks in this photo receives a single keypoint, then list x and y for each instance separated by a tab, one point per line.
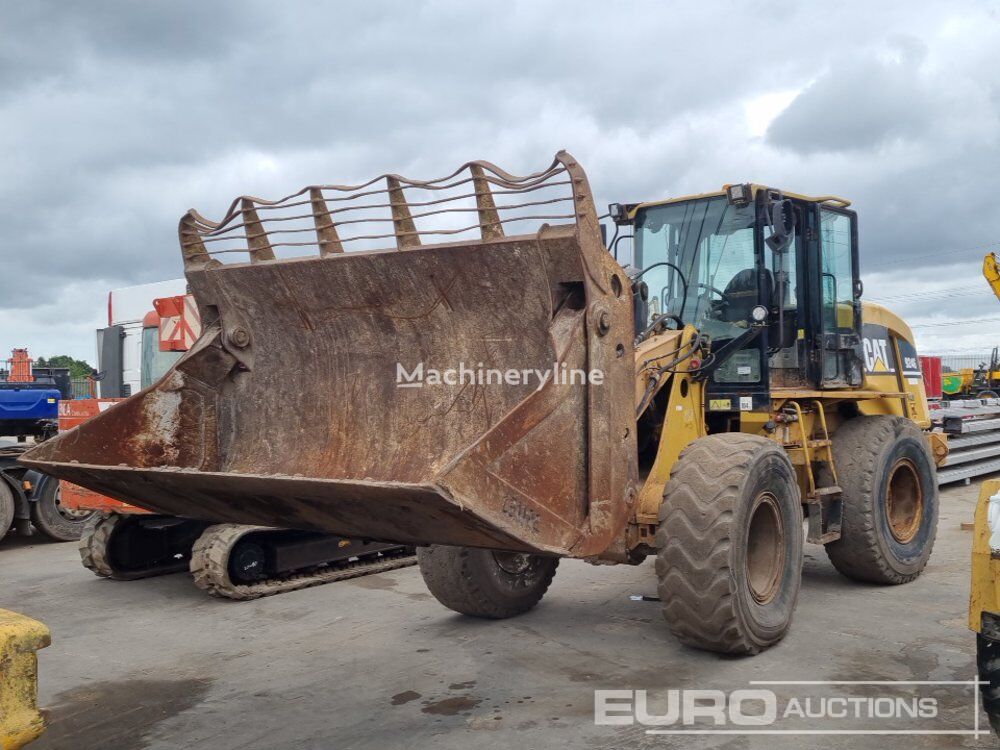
973	429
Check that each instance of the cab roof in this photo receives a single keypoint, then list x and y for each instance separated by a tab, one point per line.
754	187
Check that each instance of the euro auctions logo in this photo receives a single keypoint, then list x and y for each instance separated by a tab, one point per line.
744	708
883	707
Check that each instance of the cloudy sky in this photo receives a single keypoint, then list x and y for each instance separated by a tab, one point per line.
116	117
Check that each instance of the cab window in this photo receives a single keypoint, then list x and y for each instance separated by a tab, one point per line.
712	243
155	363
836	271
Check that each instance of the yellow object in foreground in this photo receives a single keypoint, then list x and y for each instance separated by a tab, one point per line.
985	592
20	638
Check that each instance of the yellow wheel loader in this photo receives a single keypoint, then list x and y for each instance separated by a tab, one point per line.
984	599
462	365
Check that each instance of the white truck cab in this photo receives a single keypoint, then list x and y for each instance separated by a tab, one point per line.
120	346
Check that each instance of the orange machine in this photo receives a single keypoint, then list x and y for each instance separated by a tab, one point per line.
20	367
177	320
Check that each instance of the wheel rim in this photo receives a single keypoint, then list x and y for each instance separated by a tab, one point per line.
765	549
904	501
514	563
70	514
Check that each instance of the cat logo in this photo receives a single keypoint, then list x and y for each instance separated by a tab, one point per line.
877	355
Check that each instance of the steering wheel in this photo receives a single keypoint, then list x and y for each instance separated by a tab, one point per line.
716	290
718	305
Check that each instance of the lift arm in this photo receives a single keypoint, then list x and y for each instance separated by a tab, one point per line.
991	272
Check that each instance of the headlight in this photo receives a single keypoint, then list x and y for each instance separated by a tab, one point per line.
739	195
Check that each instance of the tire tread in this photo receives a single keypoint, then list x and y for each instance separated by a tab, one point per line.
453	575
694	538
856	448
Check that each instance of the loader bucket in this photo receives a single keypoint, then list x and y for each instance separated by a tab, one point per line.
311	401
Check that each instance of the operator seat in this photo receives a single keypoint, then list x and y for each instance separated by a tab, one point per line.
741	294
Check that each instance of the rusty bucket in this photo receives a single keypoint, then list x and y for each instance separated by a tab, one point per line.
357	392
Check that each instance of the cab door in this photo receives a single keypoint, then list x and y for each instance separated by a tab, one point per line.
838	317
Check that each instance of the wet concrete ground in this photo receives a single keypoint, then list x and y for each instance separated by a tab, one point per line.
377	663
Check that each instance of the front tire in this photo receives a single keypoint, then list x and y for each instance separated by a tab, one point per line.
53	519
729	544
485	583
890	500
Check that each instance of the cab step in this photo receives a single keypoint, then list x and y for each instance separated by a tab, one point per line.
825	512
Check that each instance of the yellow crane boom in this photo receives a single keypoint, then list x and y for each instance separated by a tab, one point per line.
991	272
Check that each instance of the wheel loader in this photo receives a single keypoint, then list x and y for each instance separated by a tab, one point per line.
984	591
462	364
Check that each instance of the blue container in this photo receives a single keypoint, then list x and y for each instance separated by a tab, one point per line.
28	404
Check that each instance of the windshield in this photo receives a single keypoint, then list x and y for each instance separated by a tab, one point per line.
712	242
155	362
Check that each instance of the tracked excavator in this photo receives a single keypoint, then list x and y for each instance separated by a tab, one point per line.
462	365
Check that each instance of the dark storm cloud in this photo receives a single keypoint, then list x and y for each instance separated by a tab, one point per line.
861	106
918	124
115	117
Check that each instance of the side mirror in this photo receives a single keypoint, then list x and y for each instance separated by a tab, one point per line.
781	219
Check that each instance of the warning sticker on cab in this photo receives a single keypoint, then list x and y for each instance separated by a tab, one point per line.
720	404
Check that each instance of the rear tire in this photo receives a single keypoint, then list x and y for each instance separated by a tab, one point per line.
6	508
729	544
890	500
56	522
484	583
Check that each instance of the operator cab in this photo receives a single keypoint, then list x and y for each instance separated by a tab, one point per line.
770	277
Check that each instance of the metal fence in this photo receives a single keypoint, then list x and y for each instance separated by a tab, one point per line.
80	387
963	361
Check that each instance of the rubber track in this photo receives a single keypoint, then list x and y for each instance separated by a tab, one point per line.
856	445
93	548
210	567
693	542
